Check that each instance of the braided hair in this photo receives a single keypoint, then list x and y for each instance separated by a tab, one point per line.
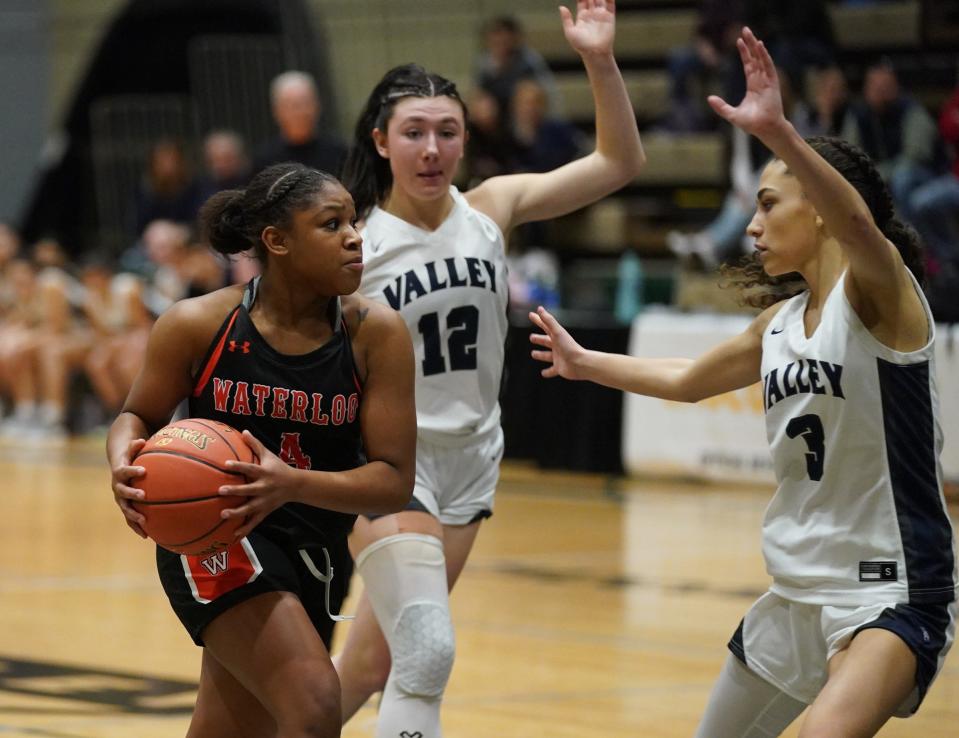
231	221
366	174
761	290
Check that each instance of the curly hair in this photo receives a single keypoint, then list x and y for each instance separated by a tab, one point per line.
761	290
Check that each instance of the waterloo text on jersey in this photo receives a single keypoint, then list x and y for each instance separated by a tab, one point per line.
295	405
803	376
436	275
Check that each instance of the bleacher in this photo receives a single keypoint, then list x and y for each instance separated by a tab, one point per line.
686	175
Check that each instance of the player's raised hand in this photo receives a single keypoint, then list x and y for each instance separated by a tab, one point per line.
761	111
593	29
561	351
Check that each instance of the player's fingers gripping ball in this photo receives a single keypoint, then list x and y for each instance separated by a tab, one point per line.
185	465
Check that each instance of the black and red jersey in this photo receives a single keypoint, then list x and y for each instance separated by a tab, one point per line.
304	408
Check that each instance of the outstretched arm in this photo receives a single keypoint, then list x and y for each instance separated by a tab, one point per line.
733	364
873	260
618	157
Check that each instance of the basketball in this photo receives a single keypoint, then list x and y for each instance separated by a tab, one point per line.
185	465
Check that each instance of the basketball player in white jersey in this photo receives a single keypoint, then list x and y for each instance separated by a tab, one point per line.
861	611
438	257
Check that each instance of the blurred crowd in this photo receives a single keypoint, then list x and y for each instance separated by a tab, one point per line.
73	332
916	154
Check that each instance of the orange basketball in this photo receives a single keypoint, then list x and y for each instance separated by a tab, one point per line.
185	465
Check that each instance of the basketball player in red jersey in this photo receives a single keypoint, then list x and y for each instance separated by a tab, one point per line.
321	382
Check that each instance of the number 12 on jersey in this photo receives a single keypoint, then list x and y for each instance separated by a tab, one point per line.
463	326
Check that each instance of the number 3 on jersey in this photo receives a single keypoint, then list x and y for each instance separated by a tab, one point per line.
463	326
810	428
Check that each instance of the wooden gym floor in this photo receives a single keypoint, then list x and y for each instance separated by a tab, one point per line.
591	608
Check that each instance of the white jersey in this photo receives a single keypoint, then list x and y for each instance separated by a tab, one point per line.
859	516
450	287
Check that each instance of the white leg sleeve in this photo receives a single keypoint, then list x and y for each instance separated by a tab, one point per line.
744	705
405	580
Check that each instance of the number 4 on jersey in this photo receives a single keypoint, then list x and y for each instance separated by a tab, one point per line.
292	453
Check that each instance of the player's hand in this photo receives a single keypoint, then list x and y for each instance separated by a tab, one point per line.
270	484
593	29
123	478
761	111
562	352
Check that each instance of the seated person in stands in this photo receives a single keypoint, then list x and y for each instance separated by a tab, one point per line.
226	162
708	63
297	107
897	133
169	190
489	150
934	206
507	59
540	142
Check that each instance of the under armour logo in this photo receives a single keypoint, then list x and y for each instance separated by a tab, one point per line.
407	734
244	347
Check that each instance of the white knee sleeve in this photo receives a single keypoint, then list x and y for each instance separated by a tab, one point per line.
405	579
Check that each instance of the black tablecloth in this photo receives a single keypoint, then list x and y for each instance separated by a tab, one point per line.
558	423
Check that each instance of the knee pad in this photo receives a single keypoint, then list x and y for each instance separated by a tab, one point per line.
405	580
422	647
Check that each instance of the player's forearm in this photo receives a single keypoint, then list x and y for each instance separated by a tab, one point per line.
377	487
127	427
617	136
653	377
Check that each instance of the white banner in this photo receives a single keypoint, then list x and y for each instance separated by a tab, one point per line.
724	437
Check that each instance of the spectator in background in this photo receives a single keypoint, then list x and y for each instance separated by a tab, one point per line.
798	35
226	162
296	108
708	64
541	142
897	133
158	258
828	103
489	150
725	238
9	250
9	244
227	168
934	206
46	338
10	305
123	325
21	317
169	190
506	60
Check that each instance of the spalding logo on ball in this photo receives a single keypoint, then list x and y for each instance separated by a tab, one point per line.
185	465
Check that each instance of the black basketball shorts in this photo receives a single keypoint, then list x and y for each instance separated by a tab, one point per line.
200	588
